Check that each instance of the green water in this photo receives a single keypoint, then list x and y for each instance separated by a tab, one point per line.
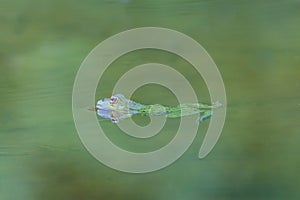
256	46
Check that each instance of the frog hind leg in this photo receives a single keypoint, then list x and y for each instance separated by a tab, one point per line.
206	115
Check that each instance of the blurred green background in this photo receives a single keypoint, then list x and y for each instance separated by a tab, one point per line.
256	46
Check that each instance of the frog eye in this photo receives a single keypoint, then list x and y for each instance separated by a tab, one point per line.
113	99
114	120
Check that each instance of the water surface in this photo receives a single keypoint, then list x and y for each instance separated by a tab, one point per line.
256	47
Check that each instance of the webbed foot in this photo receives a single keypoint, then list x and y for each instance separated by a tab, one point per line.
206	115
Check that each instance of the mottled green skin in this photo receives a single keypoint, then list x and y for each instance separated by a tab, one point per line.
179	111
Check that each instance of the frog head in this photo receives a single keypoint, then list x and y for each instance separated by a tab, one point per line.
115	108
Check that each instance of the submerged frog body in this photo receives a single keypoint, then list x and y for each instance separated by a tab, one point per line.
118	107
